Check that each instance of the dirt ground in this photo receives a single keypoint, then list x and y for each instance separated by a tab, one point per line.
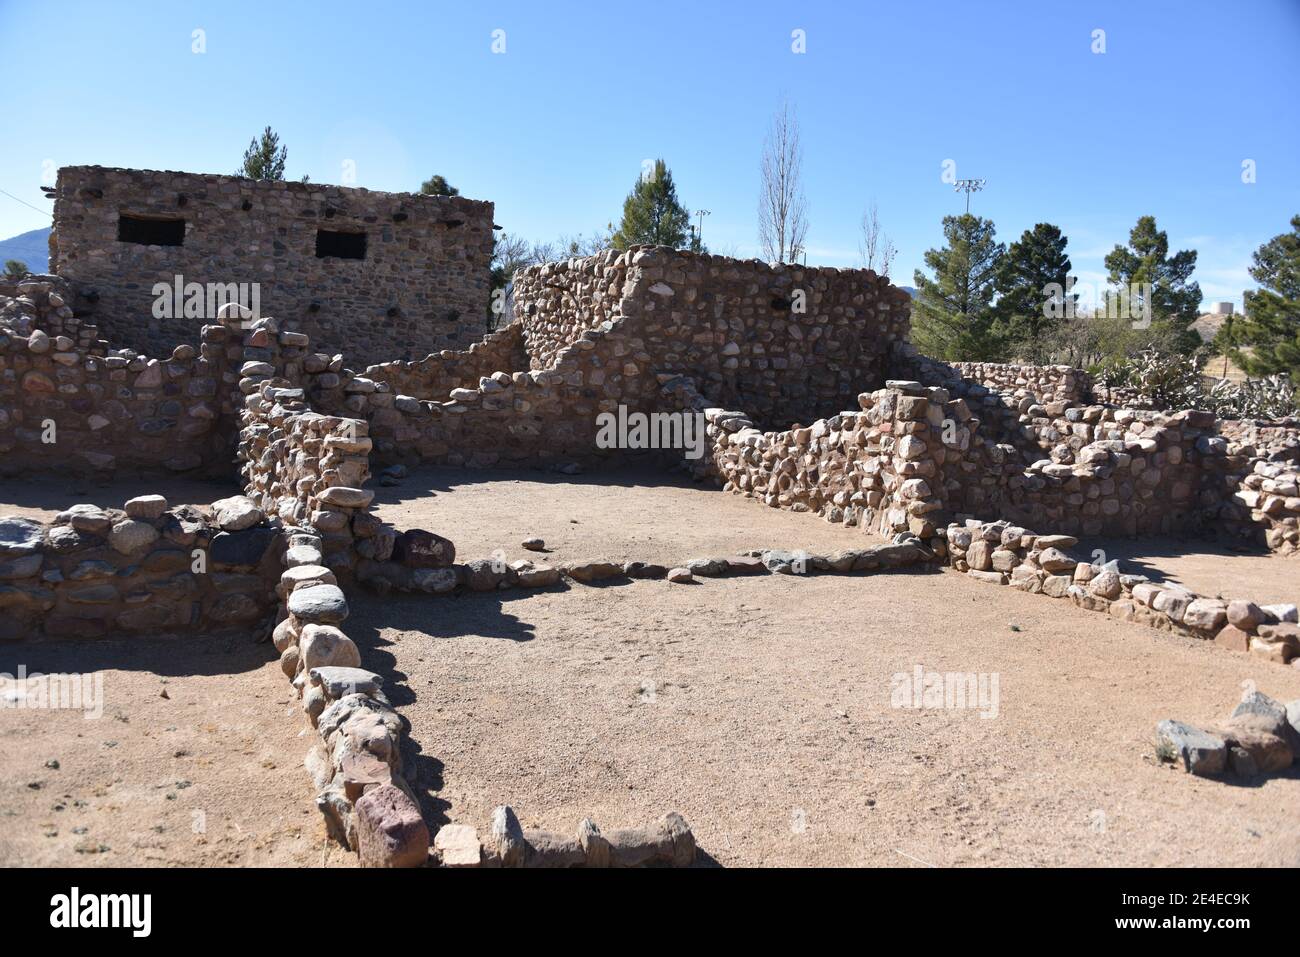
210	775
614	516
652	517
760	709
44	497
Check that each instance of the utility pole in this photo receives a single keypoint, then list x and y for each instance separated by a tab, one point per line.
699	232
968	186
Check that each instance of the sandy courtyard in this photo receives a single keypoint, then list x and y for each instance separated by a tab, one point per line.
651	516
210	775
761	710
621	515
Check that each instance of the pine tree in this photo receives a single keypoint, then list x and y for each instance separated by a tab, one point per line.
437	185
1174	302
1033	285
264	158
1271	326
651	213
952	316
14	270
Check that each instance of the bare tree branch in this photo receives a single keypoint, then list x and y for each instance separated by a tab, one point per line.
877	249
782	208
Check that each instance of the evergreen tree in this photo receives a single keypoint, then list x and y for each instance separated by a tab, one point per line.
651	213
437	185
264	158
952	316
1271	326
1032	285
1175	303
15	270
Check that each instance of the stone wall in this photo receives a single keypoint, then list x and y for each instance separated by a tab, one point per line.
886	469
556	302
69	403
147	570
539	418
1003	553
436	375
1123	472
786	343
422	285
1048	383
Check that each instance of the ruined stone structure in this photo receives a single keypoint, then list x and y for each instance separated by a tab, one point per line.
990	471
73	404
379	275
785	342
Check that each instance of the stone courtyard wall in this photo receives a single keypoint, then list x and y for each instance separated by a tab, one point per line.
1048	383
1086	468
436	375
147	569
69	403
786	343
537	418
422	286
888	468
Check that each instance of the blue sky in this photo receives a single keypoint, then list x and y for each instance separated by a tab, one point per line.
554	130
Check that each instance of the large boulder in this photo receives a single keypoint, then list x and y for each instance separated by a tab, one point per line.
242	549
390	830
319	605
236	513
1198	751
416	548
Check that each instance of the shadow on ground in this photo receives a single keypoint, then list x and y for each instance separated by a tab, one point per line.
443	479
54	493
232	654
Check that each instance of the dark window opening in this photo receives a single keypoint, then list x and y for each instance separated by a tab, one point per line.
340	245
150	232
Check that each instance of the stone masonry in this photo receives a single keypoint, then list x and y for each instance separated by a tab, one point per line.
421	282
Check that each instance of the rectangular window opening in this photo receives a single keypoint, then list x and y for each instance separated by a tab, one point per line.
148	231
340	245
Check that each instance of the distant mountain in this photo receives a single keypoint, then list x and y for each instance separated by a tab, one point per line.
32	248
910	290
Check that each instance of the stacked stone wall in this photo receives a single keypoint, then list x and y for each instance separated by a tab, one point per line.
70	403
1049	383
144	570
886	469
422	285
786	343
436	375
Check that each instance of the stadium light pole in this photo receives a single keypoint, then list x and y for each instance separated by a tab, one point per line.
968	186
699	232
